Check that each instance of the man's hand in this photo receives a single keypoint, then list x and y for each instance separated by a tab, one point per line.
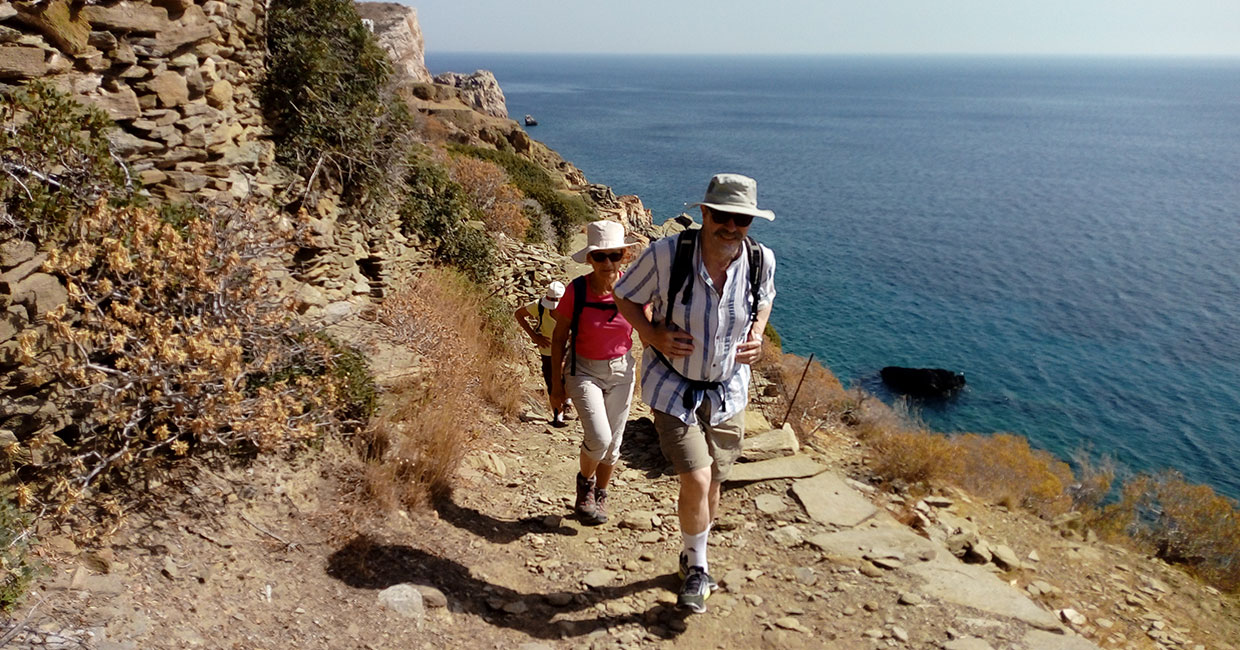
671	343
749	351
558	397
540	340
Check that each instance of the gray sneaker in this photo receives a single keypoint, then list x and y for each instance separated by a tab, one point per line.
684	571
694	591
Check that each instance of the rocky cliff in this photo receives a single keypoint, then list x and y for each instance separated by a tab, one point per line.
399	34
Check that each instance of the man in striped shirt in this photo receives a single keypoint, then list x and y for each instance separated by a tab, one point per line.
695	372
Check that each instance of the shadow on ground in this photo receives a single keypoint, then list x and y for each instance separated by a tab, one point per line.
640	449
498	531
365	563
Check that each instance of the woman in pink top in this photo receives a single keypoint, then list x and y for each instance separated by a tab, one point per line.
599	363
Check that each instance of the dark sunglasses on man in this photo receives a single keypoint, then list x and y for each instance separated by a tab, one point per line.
722	218
602	256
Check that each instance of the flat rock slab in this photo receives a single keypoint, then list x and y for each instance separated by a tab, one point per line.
974	586
968	643
1039	640
883	542
828	500
775	443
786	467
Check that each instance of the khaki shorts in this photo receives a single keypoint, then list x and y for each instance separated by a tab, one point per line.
692	447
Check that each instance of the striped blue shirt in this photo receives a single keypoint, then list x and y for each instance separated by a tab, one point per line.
718	322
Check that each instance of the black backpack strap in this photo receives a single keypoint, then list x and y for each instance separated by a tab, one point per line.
579	303
755	275
541	309
682	268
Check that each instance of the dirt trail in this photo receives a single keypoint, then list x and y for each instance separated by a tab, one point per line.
288	554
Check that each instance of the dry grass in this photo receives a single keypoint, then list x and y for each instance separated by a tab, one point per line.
917	458
1004	468
820	399
419	438
1180	523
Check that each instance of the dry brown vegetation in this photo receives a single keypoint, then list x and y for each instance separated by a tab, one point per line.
172	342
496	200
1160	514
418	439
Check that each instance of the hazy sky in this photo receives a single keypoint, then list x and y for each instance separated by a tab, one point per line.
1106	27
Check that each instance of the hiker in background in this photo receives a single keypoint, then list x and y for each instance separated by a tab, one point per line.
711	292
598	342
542	314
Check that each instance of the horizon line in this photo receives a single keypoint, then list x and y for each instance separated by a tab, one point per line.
1079	55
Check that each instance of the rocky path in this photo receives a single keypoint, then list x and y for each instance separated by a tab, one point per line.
282	555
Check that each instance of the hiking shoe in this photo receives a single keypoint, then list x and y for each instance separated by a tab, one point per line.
684	572
557	420
600	508
584	505
694	591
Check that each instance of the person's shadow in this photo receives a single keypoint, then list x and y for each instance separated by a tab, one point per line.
499	531
640	449
365	563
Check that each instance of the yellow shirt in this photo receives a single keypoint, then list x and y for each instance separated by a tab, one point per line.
546	326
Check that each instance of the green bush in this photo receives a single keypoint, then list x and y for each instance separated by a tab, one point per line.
55	159
326	93
16	567
565	211
436	208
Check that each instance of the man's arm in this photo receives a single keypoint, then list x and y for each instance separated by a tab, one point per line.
671	343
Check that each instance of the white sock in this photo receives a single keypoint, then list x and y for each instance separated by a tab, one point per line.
695	549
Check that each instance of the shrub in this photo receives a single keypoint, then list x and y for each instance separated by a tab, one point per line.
420	437
17	569
821	397
55	161
918	458
565	211
326	91
486	185
170	343
1003	467
435	208
1181	523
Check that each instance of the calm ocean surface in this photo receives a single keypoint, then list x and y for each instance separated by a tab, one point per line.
1066	232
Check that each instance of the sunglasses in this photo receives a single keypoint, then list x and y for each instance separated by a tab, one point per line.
741	220
601	256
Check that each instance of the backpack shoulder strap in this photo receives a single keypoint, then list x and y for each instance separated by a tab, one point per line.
682	268
579	303
541	310
755	275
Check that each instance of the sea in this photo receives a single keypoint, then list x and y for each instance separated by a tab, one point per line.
1064	231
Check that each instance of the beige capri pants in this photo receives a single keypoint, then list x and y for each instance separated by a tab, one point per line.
602	391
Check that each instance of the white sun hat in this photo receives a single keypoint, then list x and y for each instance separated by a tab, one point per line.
555	291
734	193
602	235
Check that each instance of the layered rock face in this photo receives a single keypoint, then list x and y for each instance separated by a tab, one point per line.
479	90
177	76
396	28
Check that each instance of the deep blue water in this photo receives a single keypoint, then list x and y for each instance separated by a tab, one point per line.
1066	232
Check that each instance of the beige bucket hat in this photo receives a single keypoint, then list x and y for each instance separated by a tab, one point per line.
601	236
734	193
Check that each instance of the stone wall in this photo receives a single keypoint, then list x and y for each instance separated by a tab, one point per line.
177	76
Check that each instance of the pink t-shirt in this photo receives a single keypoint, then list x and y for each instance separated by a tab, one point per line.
602	334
